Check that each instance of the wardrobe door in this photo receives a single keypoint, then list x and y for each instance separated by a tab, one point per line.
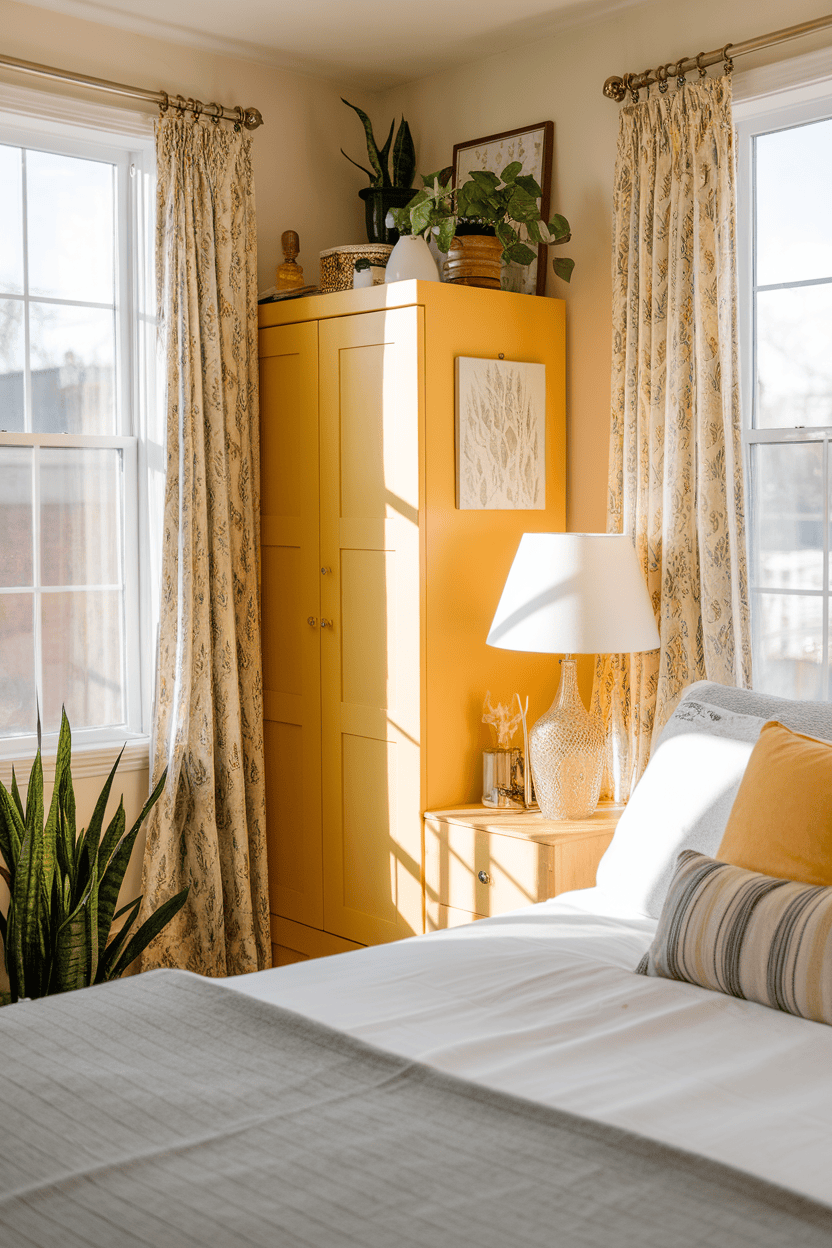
372	387
289	510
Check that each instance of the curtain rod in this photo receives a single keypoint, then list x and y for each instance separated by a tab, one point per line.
617	88
248	117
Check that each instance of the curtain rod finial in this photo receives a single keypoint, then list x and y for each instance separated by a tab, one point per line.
252	119
614	89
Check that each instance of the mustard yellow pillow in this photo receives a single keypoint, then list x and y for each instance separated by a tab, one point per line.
781	820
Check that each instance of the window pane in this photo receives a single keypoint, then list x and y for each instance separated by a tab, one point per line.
71	233
80	515
788	645
17	664
787	523
16	516
11	365
72	357
794	360
82	658
11	221
794	190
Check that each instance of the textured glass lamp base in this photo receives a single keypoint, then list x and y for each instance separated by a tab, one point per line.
566	748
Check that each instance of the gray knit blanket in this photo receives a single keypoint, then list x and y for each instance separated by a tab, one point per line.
165	1110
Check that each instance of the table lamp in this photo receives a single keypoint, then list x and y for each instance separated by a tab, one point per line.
572	593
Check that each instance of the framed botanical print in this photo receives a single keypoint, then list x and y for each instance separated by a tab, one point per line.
500	435
532	146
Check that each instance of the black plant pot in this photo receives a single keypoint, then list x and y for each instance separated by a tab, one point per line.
378	200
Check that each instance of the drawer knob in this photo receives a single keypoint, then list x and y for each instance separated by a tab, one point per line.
326	623
483	877
312	621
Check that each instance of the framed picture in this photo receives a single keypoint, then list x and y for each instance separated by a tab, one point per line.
532	146
500	423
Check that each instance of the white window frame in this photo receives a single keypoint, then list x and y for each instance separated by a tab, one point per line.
36	120
776	97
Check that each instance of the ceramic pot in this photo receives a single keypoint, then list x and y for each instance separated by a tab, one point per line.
474	260
378	200
411	258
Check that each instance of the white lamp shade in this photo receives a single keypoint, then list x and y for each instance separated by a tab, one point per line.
575	593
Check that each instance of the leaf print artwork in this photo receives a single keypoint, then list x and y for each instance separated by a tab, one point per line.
500	435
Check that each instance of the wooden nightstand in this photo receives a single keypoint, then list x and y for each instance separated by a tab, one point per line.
480	862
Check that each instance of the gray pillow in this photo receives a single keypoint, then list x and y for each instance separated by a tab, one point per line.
681	802
813	718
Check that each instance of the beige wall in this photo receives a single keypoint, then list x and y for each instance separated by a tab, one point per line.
302	181
560	78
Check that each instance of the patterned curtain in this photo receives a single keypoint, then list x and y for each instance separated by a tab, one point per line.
209	829
676	473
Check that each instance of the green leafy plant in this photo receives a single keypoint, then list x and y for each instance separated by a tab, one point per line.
404	154
507	205
64	885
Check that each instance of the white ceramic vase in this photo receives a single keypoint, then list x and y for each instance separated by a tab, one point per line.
411	258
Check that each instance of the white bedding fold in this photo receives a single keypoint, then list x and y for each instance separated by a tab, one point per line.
543	1003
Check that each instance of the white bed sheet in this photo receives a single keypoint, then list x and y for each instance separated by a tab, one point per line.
543	1003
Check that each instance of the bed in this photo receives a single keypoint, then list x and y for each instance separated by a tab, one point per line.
512	1081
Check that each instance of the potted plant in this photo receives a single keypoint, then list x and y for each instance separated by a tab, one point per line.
490	219
64	885
385	191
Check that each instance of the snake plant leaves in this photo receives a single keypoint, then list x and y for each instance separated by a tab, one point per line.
148	930
378	159
404	158
115	946
64	885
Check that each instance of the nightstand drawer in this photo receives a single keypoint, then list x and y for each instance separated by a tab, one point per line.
480	862
485	873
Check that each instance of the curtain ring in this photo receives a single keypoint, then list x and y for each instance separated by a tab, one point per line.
727	63
702	72
661	79
165	105
680	77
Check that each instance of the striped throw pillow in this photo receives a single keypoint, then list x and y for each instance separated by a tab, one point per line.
747	935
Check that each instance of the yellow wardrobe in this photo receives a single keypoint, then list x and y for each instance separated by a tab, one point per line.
377	592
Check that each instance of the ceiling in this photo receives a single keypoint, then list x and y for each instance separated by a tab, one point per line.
375	44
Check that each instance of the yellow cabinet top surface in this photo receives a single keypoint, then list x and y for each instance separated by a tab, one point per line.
461	301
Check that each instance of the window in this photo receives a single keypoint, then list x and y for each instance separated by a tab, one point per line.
74	607
785	230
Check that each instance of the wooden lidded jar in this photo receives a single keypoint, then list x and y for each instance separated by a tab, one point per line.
474	260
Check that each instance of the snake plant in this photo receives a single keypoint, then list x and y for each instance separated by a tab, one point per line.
404	153
64	885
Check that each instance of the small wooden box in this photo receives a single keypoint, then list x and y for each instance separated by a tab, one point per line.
480	862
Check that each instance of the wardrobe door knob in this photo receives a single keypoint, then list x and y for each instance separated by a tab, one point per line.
312	621
326	623
483	877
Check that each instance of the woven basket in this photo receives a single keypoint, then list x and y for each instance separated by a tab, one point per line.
338	264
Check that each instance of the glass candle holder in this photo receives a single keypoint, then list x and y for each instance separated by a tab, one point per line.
502	777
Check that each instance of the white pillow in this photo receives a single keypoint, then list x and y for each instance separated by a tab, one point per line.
681	802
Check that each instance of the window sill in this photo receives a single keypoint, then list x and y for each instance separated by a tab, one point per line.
87	761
